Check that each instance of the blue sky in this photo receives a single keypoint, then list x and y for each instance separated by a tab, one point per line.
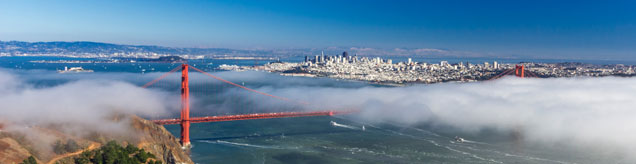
572	29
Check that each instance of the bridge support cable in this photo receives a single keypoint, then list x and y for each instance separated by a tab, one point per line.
246	88
504	73
161	77
532	74
519	71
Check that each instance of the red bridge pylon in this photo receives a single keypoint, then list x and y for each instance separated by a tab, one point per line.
185	107
519	71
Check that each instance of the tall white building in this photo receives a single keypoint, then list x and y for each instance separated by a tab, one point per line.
443	63
322	56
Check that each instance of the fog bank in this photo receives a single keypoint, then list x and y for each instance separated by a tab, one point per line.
587	111
77	108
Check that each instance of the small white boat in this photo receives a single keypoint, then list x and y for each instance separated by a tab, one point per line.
459	139
363	129
333	123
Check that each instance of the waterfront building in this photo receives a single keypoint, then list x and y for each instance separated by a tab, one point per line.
443	63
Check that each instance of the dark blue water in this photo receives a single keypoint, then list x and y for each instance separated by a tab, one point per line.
300	140
204	64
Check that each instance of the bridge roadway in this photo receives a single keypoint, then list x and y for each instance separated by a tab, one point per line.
254	116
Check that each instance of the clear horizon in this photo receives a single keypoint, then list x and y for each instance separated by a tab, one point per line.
545	29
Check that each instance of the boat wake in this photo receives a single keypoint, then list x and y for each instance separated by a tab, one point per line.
476	142
444	146
246	145
347	126
524	157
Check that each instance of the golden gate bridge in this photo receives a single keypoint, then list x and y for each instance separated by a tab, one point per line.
519	71
185	120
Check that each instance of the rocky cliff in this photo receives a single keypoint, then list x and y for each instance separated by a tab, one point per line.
16	144
160	142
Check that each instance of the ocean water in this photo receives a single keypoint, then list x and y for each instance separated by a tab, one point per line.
315	140
307	139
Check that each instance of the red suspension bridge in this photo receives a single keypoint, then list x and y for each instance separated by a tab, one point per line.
519	71
185	120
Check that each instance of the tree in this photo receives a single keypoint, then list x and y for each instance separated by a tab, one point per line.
142	156
58	147
30	160
84	158
113	153
71	146
130	149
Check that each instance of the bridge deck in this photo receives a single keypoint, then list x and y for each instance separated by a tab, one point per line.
252	116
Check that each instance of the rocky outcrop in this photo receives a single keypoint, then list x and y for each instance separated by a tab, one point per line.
155	139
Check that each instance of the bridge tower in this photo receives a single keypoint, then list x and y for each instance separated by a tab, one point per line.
519	71
185	107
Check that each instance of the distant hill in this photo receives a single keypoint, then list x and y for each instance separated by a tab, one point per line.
97	49
91	48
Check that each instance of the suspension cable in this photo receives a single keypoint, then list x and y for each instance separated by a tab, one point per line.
246	88
504	73
161	77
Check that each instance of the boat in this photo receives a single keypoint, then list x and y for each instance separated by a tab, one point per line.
363	129
74	70
459	139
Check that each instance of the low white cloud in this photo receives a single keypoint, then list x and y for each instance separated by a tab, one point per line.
429	50
361	49
589	112
76	108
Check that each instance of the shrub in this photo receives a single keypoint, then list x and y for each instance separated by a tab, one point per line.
113	153
30	160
